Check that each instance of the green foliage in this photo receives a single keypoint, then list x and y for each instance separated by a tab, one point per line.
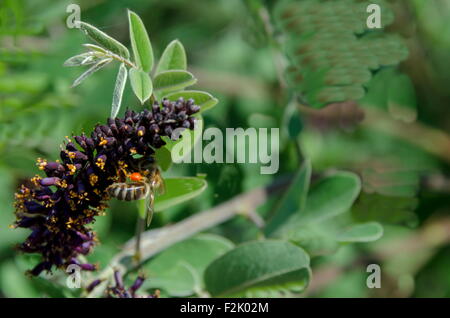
393	92
173	58
121	81
141	84
104	40
179	190
97	66
294	198
322	223
171	75
366	232
330	197
179	269
140	42
259	269
331	50
171	81
331	56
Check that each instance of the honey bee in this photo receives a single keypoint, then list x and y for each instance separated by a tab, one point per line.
143	185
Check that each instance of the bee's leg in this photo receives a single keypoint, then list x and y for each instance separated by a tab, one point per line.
149	207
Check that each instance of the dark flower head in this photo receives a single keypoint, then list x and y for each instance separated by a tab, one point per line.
58	207
120	291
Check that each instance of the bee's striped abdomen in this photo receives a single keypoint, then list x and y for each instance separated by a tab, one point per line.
128	192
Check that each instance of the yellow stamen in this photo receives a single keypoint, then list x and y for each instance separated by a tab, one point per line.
93	178
103	141
72	168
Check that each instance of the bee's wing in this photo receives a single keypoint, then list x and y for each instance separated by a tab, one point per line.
162	187
149	200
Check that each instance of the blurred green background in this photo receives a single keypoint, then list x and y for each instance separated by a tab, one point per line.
231	58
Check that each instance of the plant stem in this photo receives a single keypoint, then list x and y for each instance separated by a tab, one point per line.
140	227
121	59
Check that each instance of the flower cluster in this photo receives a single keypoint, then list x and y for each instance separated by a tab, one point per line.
58	207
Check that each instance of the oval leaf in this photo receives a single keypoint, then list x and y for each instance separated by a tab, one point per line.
81	59
91	71
332	196
259	269
366	232
202	99
140	43
163	158
105	40
141	84
170	81
179	190
118	90
173	58
95	48
294	198
179	269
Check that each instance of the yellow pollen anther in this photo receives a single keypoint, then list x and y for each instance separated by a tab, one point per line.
93	178
103	141
72	168
100	163
62	184
36	180
41	163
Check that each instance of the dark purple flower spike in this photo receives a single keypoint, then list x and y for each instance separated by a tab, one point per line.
58	207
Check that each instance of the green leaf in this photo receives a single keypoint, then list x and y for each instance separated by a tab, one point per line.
179	190
95	48
92	70
14	283
141	84
118	90
179	269
377	89
105	40
170	81
259	269
294	198
292	123
81	59
366	232
163	158
316	238
332	196
202	99
325	217
140	43
173	58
